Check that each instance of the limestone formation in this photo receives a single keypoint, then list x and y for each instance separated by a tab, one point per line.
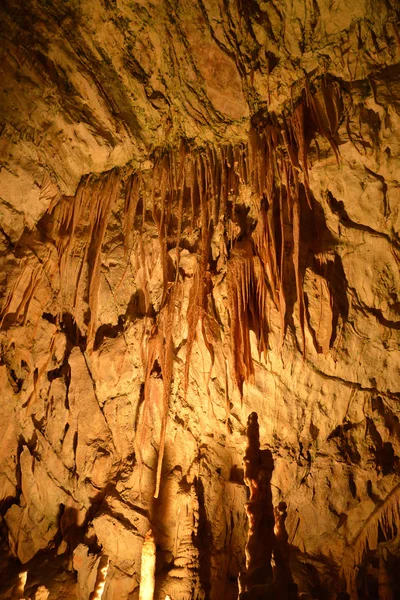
19	588
200	220
102	569
148	568
42	593
257	581
267	573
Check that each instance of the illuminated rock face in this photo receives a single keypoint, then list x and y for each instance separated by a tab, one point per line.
199	219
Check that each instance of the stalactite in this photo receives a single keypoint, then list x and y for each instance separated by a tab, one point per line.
99	216
81	223
270	227
141	262
150	351
167	370
266	250
291	151
247	294
198	291
159	348
132	196
281	291
169	178
18	300
181	188
296	260
326	109
148	567
206	183
161	220
238	280
213	178
297	126
194	314
210	329
101	577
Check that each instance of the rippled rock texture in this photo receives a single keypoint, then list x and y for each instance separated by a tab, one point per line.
199	219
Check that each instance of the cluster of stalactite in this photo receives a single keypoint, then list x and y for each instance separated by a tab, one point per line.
201	188
193	192
274	164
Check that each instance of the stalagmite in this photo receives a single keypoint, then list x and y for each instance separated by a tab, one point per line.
261	540
19	588
267	572
42	593
102	570
282	573
148	568
184	579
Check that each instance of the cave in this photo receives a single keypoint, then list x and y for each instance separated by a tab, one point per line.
200	300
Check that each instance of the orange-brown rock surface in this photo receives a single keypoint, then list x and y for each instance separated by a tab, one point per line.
199	219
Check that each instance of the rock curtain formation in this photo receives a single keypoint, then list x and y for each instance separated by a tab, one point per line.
199	219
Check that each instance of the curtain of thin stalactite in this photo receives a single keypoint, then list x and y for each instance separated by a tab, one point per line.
195	189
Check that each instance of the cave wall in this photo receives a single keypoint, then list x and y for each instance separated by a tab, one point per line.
134	184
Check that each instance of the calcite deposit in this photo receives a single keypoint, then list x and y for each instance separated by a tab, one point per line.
199	220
